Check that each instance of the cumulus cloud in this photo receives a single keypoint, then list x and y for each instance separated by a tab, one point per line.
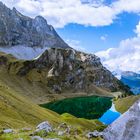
124	58
103	38
95	3
85	12
137	31
127	6
76	45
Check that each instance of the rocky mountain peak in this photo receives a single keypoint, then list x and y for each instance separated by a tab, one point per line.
41	26
41	20
2	5
17	29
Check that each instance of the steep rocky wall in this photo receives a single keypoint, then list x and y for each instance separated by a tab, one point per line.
17	29
68	70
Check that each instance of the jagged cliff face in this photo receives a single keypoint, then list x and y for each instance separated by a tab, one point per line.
127	127
17	29
21	32
66	70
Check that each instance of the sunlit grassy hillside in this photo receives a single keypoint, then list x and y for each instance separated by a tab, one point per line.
123	104
18	111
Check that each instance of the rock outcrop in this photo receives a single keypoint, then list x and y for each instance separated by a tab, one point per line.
36	138
6	131
67	69
44	126
127	127
94	134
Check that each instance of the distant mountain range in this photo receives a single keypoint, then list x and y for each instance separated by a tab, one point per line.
132	80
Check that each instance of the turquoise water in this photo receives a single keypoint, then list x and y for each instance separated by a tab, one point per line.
110	116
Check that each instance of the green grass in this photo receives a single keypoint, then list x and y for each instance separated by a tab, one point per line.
17	111
81	123
25	136
91	107
123	104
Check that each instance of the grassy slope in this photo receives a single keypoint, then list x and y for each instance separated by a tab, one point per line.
18	111
123	104
37	91
82	123
25	136
79	125
18	98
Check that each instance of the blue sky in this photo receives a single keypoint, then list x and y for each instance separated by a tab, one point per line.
91	39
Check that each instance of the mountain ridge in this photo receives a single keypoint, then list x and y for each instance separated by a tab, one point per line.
62	73
33	34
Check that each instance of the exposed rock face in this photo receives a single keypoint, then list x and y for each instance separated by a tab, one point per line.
17	29
127	127
63	70
63	129
44	126
5	131
94	134
36	138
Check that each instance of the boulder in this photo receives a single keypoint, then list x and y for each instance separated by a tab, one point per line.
61	133
53	139
62	125
94	134
36	138
44	126
5	131
63	129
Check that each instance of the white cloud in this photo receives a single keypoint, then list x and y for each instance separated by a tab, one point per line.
137	31
86	12
127	6
95	3
124	58
103	38
75	44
